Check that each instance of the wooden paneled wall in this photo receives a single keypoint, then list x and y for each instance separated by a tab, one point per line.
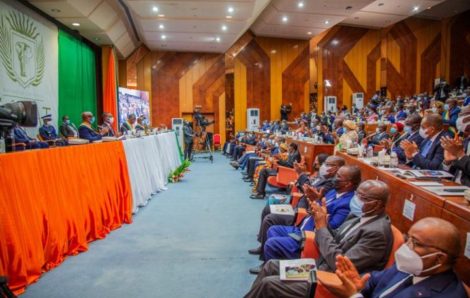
459	47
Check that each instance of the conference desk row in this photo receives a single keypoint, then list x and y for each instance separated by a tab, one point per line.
409	203
53	202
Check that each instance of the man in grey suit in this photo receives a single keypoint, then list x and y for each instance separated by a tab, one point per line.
365	238
324	182
188	140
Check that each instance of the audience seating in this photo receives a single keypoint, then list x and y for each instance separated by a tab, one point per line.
216	140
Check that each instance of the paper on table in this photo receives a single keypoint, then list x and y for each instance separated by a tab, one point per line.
426	183
441	190
409	210
467	247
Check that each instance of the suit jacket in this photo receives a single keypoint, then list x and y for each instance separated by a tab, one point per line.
414	137
188	134
88	133
110	132
293	157
68	130
368	246
435	156
463	166
325	183
21	136
379	137
443	285
338	211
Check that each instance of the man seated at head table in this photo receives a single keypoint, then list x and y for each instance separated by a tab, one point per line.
48	133
128	126
108	121
281	245
457	150
67	128
20	136
380	134
85	131
429	155
140	125
423	267
324	180
365	238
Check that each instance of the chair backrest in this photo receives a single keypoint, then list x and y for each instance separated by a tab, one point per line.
398	240
216	139
286	175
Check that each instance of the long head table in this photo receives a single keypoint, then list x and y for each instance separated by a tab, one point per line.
54	201
405	195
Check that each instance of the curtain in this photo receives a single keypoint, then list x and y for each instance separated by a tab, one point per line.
77	78
110	88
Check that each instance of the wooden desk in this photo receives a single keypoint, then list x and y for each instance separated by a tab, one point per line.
427	204
310	151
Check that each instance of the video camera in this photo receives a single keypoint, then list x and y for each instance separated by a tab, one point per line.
21	112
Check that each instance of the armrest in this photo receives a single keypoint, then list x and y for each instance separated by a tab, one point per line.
300	215
286	175
310	247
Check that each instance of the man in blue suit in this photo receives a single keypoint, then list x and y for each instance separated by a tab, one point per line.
451	112
85	131
20	136
429	155
411	133
281	245
423	267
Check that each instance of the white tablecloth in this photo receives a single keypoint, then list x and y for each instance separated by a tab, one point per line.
150	160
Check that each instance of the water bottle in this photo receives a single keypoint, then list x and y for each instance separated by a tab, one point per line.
370	152
393	160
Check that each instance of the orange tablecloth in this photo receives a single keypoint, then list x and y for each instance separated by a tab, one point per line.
53	202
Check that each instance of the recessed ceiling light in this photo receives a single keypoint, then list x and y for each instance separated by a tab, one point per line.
161	15
230	9
335	42
416	8
309	33
285	19
327	22
163	37
300	4
55	10
273	51
224	28
161	26
76	24
228	17
155	9
217	39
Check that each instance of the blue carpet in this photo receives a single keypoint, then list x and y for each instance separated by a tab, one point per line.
190	241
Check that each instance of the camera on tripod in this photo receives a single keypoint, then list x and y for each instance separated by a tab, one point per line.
20	112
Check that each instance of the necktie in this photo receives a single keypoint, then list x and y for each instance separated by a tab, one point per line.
426	147
398	287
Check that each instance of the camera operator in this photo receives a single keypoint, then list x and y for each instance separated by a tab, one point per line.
20	136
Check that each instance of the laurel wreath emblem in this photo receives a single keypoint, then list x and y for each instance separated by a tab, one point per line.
25	26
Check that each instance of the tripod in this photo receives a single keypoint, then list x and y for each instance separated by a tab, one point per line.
206	149
5	292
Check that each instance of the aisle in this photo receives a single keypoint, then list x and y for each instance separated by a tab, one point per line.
190	241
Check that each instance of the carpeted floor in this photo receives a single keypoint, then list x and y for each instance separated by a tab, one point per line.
190	241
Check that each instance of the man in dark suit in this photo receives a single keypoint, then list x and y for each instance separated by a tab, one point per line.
86	131
294	156
380	134
67	128
429	155
411	133
188	140
365	238
20	136
423	267
456	150
323	181
108	121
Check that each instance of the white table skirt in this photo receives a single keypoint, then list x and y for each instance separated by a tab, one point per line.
150	160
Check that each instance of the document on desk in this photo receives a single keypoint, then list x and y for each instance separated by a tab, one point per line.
295	270
409	210
453	191
426	183
282	209
429	174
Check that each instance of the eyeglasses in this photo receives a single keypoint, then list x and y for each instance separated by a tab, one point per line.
414	243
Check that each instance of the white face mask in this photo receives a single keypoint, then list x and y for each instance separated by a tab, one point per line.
408	261
423	133
460	125
323	170
434	110
111	120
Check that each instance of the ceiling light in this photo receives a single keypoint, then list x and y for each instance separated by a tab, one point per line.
163	37
416	8
273	51
230	9
327	83
300	4
161	26
76	24
335	42
309	33
224	28
228	17
285	19
161	15
217	39
327	22
155	9
55	10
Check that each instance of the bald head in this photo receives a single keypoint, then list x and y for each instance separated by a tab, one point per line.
375	190
434	121
438	233
352	174
335	160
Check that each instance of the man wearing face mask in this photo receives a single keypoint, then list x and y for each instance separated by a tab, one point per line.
365	238
67	128
279	243
324	180
129	125
86	131
423	267
411	133
48	133
451	113
456	150
108	121
429	155
380	134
